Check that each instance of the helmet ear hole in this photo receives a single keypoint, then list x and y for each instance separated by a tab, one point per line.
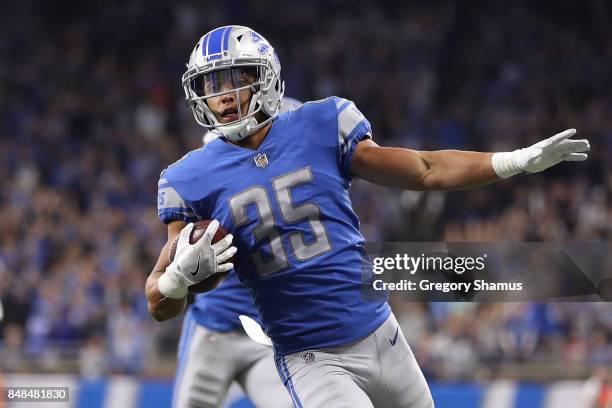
276	86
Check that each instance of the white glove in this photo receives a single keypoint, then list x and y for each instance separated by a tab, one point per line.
194	263
541	155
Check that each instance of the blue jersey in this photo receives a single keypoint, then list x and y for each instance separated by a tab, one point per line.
287	205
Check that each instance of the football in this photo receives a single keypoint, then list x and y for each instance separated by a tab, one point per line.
215	280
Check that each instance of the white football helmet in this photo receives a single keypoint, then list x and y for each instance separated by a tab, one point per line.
225	61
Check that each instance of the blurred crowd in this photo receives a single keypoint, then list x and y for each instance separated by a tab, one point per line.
91	110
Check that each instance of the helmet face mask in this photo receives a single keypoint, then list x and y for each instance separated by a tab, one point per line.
241	61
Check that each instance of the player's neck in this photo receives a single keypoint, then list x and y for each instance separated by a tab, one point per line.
256	139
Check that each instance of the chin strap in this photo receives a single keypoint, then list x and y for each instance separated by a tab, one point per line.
239	131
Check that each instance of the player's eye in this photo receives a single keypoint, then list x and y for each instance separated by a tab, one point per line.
198	86
248	75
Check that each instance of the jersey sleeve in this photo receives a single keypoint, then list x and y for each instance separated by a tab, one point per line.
353	127
170	205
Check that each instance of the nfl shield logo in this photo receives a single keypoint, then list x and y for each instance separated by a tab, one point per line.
308	357
261	160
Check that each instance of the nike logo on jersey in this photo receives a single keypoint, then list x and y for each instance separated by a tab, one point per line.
394	337
194	273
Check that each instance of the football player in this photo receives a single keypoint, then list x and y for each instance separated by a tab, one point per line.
280	184
213	350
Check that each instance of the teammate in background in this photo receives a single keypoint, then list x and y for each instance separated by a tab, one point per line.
213	350
280	184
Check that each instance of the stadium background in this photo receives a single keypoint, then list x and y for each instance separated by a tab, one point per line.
91	110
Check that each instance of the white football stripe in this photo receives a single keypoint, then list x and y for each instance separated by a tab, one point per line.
348	120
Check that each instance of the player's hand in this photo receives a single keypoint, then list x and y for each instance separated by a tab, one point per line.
195	262
541	155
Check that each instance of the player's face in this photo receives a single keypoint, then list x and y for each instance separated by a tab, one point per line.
223	84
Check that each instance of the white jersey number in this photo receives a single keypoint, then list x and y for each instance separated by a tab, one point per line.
290	214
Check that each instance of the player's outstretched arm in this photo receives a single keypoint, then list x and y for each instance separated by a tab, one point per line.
458	170
161	307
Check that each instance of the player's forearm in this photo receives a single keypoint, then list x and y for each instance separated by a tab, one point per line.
161	307
419	170
457	170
